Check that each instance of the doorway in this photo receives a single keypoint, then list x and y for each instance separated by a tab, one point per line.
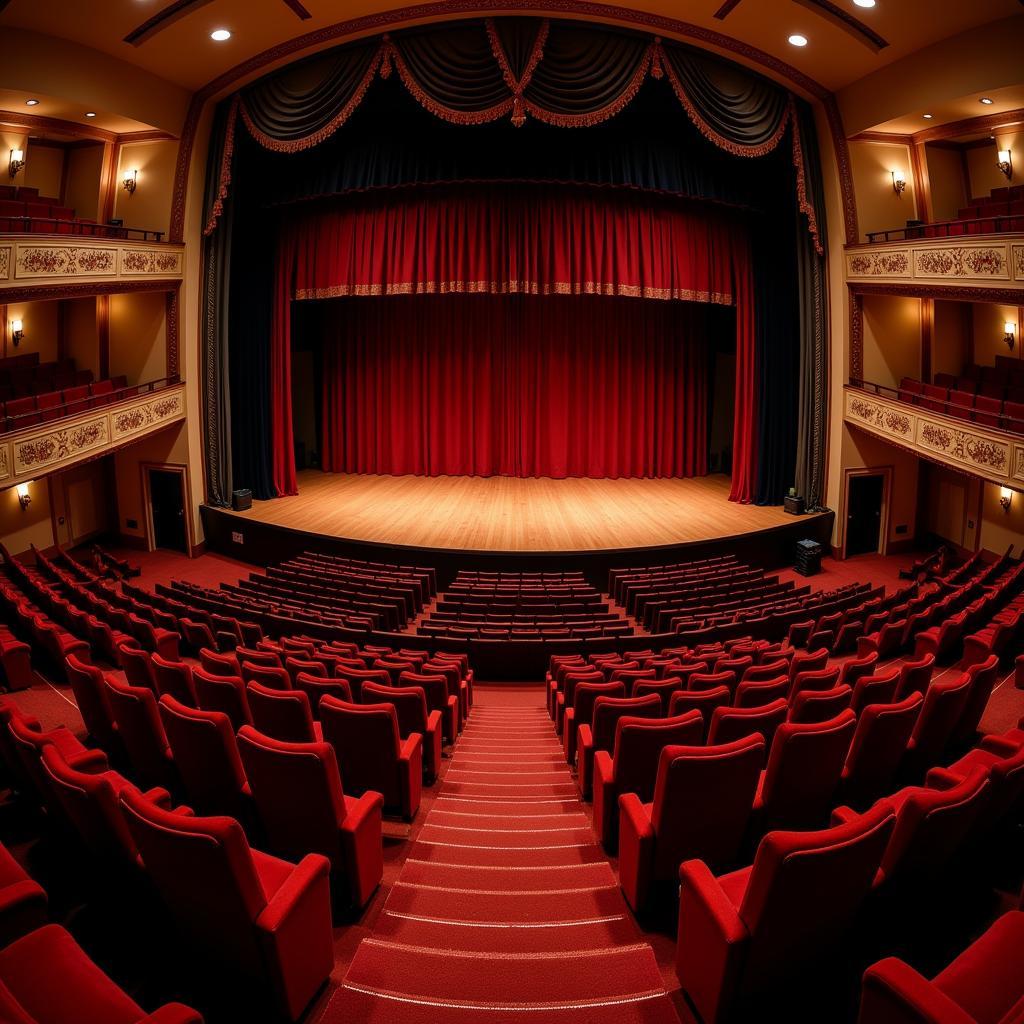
865	514
169	524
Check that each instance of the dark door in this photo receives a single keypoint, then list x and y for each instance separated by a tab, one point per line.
864	514
165	493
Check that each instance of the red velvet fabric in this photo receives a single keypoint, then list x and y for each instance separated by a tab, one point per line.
503	241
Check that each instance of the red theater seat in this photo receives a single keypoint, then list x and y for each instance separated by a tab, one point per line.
702	802
262	921
317	687
85	995
22	901
981	986
223	693
174	679
703	701
142	733
410	704
582	712
728	724
298	793
372	756
633	765
600	733
88	685
757	929
284	714
439	699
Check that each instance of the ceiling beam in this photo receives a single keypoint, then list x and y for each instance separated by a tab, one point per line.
847	22
163	19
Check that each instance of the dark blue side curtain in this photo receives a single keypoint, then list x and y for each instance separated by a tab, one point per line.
349	121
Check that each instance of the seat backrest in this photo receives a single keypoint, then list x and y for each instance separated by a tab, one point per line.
223	693
366	743
141	731
808	661
814	679
91	697
915	675
204	871
931	824
91	805
943	704
702	802
576	676
174	678
820	705
608	711
283	714
728	724
316	687
638	746
879	688
803	769
704	701
434	687
138	668
805	890
877	748
757	693
587	693
206	756
711	680
984	676
218	664
409	702
297	789
272	677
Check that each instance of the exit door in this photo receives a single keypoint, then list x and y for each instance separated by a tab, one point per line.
167	503
864	514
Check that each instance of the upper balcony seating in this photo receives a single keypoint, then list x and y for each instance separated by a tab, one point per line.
46	399
998	404
22	209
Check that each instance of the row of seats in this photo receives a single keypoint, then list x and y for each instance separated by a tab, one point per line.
1004	379
30	376
1001	210
620	580
977	407
19	413
42	216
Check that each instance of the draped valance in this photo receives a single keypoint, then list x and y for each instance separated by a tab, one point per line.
564	74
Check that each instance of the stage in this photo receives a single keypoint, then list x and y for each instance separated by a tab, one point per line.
453	522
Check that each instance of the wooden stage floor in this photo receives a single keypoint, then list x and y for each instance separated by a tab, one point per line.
511	514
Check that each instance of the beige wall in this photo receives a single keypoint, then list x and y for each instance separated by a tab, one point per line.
150	205
878	205
988	321
41	328
951	497
1000	529
138	336
44	166
85	167
951	337
982	167
20	528
892	338
946	181
81	342
169	445
860	450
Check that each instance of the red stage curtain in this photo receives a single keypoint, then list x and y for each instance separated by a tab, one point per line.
514	240
482	385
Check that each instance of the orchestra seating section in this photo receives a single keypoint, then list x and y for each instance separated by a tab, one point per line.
769	748
991	396
32	392
23	209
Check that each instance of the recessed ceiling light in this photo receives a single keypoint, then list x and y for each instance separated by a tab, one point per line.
988	102
864	3
31	103
220	34
798	40
927	117
90	113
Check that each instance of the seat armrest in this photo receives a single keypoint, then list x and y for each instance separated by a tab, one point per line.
894	992
433	721
712	941
363	810
411	746
842	815
410	778
636	851
584	741
942	778
91	762
172	1013
1002	745
159	796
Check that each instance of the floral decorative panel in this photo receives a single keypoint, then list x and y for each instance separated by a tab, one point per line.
140	417
38	452
64	261
160	262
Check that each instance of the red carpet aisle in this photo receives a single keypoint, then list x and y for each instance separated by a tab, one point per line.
506	909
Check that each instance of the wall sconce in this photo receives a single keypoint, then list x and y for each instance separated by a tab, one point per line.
899	182
131	182
17	332
17	161
1009	333
1005	497
1005	164
23	496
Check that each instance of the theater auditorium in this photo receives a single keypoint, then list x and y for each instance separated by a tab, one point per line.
511	512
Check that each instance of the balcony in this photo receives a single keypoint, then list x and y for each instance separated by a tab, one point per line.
991	453
63	265
91	431
992	262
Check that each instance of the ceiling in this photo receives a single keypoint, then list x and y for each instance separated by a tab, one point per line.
962	109
64	110
182	51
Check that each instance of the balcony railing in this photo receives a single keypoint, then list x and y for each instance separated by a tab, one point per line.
87	229
992	453
990	225
40	448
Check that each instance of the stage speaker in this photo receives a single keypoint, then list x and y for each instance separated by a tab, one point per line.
241	500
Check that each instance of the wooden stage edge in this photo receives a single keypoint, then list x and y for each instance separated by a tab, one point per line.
519	525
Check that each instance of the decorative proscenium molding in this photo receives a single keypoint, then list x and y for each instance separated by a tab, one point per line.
993	455
31	260
37	450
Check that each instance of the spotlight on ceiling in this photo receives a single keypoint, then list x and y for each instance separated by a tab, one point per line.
220	35
987	101
798	40
31	103
90	113
864	3
927	117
